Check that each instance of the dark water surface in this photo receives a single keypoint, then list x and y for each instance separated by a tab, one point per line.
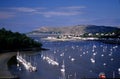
82	59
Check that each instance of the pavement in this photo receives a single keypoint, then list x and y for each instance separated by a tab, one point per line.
4	71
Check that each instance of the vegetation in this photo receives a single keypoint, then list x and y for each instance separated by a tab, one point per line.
113	34
10	41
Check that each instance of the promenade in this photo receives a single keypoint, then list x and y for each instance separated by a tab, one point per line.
4	71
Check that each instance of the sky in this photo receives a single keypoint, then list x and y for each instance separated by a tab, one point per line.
27	15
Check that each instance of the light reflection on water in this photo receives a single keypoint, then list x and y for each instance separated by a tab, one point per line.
82	59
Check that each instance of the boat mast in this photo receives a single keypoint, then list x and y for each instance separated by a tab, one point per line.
113	74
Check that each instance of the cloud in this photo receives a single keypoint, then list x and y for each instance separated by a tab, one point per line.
26	9
62	11
73	8
46	12
5	15
58	13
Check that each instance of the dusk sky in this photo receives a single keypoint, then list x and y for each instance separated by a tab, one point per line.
27	15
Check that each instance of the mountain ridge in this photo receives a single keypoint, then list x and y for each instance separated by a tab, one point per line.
78	29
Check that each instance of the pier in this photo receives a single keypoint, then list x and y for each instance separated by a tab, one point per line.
50	61
28	66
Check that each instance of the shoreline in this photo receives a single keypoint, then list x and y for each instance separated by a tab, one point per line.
4	71
4	58
7	55
23	50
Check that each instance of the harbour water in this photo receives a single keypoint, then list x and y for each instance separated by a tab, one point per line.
82	59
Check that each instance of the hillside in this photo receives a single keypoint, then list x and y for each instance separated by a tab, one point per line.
10	41
79	29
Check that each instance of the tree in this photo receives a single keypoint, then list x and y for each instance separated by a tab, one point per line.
16	41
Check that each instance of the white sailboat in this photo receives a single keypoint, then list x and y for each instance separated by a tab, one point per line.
63	71
63	67
50	60
27	65
75	75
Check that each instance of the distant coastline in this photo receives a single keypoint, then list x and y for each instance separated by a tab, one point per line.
106	34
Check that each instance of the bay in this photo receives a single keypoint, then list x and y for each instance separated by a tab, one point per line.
82	59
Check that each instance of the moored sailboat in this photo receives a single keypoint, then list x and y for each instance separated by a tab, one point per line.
28	66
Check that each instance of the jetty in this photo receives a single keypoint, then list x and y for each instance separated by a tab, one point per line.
50	61
28	66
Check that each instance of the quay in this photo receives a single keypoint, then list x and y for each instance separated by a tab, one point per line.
4	71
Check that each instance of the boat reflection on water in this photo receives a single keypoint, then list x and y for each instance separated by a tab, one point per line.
63	76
